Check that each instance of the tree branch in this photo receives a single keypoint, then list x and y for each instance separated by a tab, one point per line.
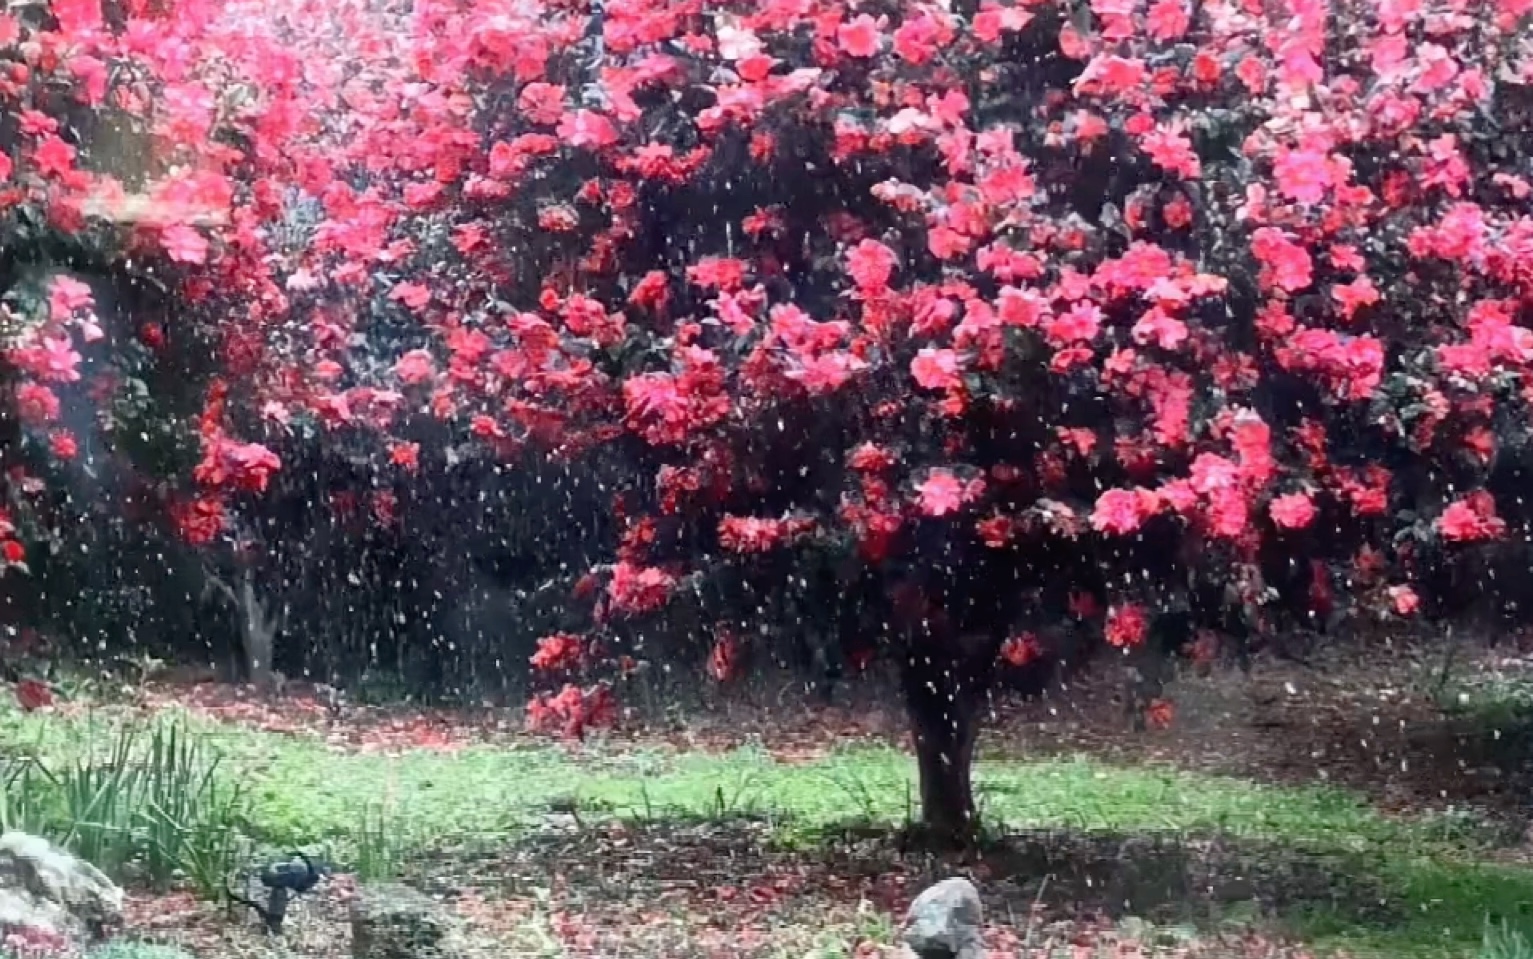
211	581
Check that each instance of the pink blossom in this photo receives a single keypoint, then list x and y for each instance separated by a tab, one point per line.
935	369
1292	511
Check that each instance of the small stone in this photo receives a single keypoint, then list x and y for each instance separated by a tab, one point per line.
392	921
1135	928
946	922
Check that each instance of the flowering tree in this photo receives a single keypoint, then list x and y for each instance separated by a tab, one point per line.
948	330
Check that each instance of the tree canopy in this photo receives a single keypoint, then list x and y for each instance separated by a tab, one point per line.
949	332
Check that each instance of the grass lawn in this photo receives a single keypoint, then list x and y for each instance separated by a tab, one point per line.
1140	841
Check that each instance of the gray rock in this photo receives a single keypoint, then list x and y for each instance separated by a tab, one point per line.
391	921
43	887
945	922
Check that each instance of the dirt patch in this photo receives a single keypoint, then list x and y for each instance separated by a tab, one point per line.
1084	876
723	891
1368	721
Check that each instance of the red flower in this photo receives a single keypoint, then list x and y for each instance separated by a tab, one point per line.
542	103
639	589
1212	473
36	941
993	19
1293	511
996	531
66	295
13	552
946	243
199	521
57	360
652	291
54	157
859	38
573	709
1177	212
918	39
415	367
1160	328
1081	324
718	273
869	458
1404	600
413	295
1167	20
724	659
184	244
935	369
63	444
1471	519
1021	649
559	651
244	466
1355	295
1124	510
405	455
585	587
751	534
871	264
1288	265
1304	175
587	129
33	695
1127	625
1172	151
36	403
1159	714
942	493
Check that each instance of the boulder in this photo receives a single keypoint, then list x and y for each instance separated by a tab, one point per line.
392	921
945	922
53	893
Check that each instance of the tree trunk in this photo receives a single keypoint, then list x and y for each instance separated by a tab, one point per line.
945	757
943	697
260	634
259	624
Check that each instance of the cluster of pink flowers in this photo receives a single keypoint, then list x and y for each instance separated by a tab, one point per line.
994	303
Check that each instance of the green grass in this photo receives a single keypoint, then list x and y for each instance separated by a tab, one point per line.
1502	941
373	810
150	801
1492	702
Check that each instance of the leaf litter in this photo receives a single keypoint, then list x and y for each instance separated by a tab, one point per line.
714	890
